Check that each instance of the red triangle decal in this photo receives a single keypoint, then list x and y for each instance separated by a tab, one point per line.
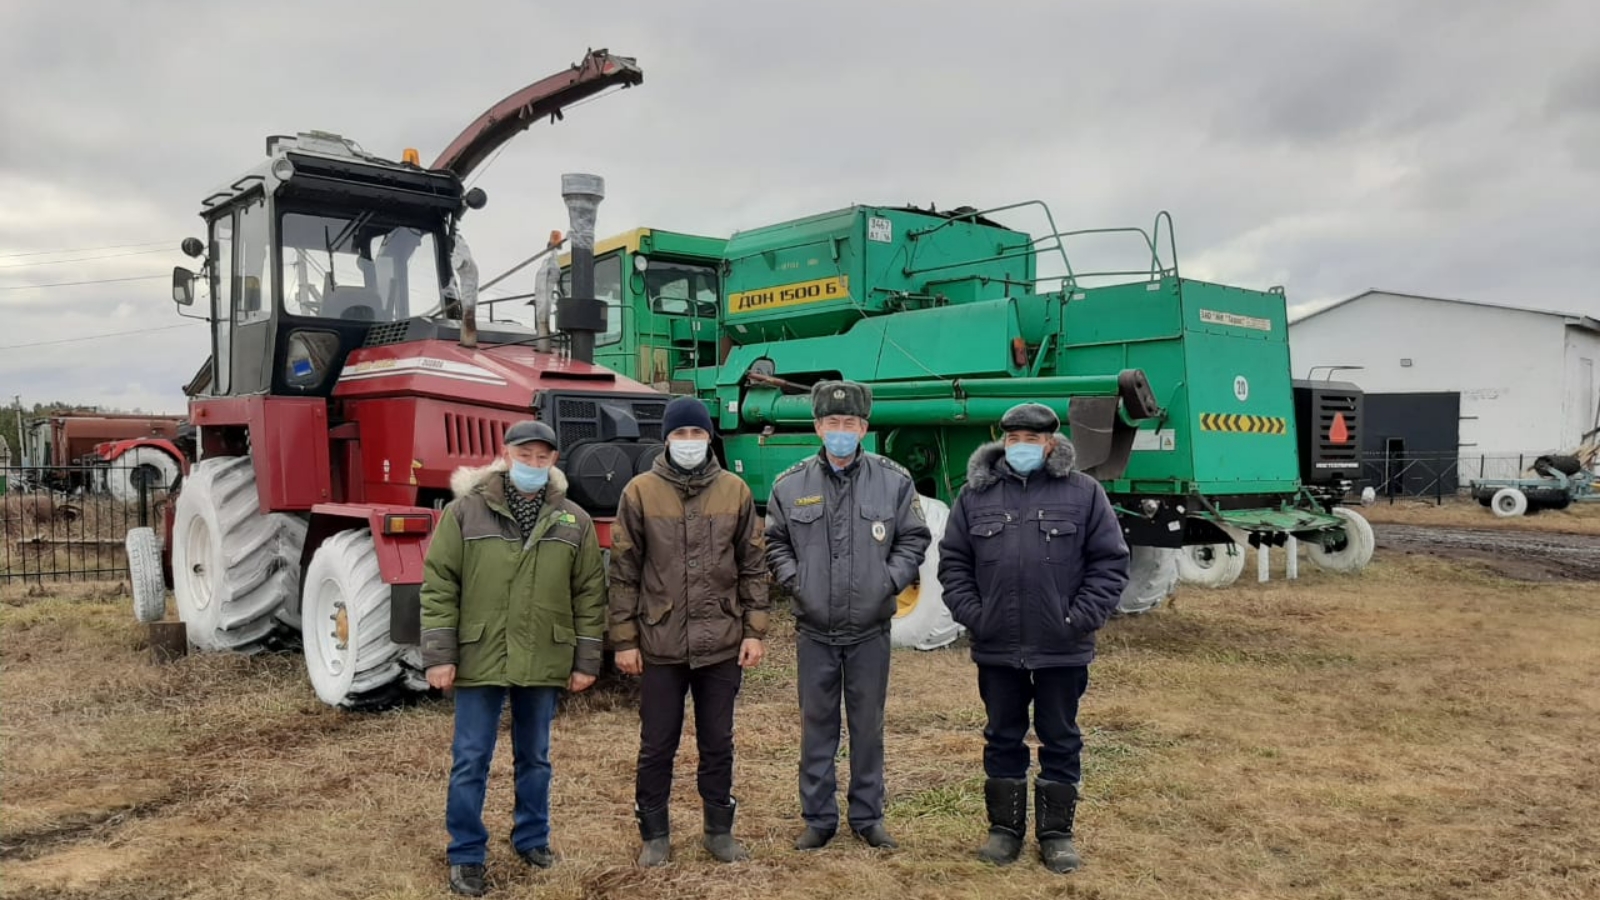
1339	433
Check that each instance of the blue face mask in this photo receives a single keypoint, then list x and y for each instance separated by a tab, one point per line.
1024	458
841	443
529	479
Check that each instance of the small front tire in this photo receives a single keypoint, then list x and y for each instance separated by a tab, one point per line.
350	658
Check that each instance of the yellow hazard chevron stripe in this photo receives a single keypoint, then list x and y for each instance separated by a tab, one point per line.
1240	423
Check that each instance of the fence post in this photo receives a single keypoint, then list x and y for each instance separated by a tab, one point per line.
144	502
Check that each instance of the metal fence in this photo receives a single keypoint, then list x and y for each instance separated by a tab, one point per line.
68	523
1441	476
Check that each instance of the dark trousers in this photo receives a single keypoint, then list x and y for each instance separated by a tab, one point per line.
477	727
662	689
1054	694
861	673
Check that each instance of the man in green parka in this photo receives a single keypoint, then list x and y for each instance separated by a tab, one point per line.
513	604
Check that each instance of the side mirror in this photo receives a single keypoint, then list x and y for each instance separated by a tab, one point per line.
476	198
193	246
182	286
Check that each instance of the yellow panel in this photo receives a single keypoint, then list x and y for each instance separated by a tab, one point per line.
628	240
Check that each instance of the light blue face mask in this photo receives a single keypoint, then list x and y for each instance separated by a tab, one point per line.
1024	458
529	479
841	443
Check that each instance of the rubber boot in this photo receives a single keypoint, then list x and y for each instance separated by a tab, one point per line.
655	831
1055	803
719	840
1007	800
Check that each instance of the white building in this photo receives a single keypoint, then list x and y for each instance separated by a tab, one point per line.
1516	381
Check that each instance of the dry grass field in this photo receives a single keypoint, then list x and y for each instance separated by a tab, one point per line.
1425	731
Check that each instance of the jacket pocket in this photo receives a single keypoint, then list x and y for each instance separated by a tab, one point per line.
1060	538
987	534
552	565
469	647
656	608
563	651
808	536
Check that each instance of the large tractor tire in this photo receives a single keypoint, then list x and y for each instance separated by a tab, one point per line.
1210	565
144	469
350	658
1354	552
1152	576
234	570
921	620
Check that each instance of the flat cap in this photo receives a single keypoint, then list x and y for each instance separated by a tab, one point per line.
529	430
840	398
1030	417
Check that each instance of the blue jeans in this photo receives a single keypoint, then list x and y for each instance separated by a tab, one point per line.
477	727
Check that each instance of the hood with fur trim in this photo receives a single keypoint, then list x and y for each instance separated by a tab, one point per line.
467	479
983	471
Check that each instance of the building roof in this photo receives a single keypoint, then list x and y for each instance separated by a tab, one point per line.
1578	320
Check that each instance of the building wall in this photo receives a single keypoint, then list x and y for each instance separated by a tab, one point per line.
1582	393
1508	365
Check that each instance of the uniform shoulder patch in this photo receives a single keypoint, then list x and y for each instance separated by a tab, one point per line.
790	471
892	465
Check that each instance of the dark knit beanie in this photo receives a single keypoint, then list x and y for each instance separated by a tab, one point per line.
685	412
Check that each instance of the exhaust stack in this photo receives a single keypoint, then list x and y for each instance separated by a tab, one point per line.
581	315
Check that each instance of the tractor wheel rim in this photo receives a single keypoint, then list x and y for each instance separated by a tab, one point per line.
197	543
332	623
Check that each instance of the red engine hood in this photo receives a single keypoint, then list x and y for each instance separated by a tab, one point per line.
506	377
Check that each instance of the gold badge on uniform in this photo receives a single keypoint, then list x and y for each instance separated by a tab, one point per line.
879	532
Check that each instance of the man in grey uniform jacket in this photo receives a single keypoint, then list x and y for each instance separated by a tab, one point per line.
845	535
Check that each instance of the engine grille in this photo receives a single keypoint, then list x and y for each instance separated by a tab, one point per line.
387	333
472	437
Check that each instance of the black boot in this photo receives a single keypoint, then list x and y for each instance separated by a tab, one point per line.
1054	806
1007	800
719	840
655	830
467	879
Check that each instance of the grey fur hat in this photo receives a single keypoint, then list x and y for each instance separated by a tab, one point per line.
840	398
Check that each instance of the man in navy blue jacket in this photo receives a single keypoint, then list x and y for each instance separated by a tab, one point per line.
1032	564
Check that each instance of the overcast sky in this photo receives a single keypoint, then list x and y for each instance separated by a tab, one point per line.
1447	147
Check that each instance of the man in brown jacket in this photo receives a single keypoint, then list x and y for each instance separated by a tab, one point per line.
688	611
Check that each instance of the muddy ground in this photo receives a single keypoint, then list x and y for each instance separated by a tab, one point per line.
1520	556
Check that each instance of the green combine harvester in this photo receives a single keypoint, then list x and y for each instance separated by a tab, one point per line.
1176	393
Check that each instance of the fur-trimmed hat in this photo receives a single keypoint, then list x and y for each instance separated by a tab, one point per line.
840	398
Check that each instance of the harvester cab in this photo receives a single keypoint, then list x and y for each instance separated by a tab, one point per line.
350	389
311	250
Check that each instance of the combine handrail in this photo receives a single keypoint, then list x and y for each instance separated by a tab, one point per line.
1054	241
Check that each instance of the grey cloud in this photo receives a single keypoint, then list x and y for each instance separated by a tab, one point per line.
1439	146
